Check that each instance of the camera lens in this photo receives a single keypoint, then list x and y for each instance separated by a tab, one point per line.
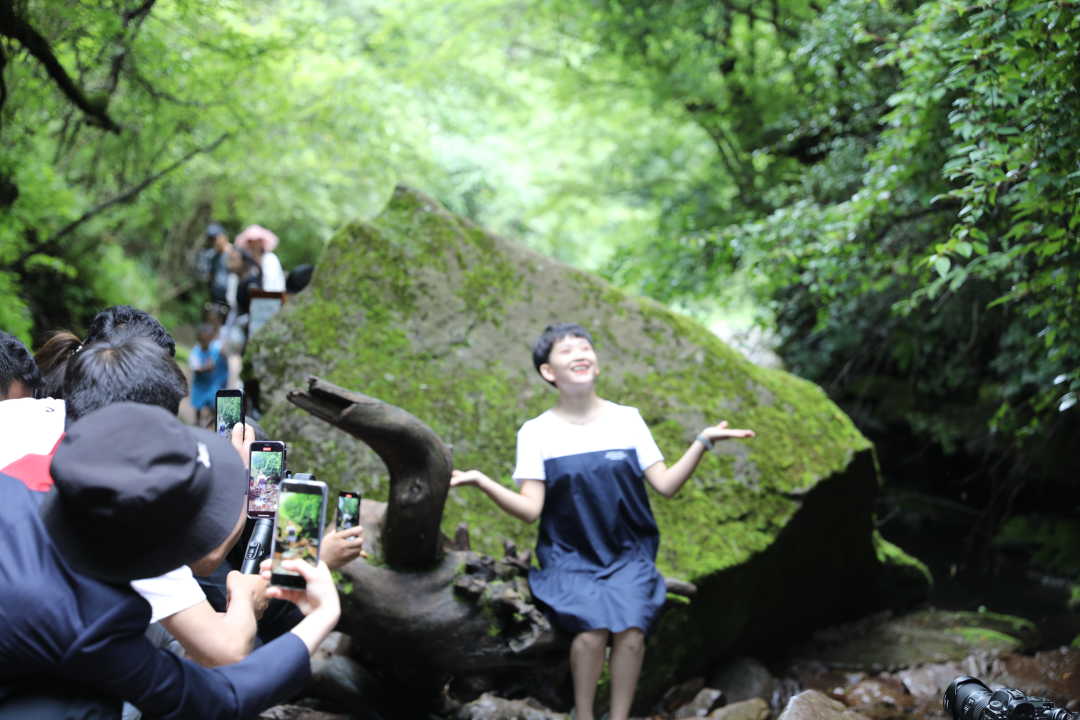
1058	714
966	698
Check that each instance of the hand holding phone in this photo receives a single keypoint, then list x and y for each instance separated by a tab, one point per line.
298	529
318	601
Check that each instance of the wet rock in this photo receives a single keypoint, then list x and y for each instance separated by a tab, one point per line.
886	690
813	705
928	682
815	675
490	707
341	679
753	709
707	700
743	678
884	643
679	696
1053	674
299	712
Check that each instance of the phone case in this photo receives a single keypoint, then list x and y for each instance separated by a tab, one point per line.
298	528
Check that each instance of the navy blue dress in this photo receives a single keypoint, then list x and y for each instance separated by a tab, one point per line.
598	539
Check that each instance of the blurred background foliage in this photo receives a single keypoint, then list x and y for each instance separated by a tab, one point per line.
888	188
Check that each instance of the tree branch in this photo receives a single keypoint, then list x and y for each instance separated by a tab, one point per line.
132	191
15	27
136	16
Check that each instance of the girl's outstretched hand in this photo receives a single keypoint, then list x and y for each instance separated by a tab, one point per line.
721	431
466	477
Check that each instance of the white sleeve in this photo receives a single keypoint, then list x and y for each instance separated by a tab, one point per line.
273	277
170	593
647	451
530	461
29	425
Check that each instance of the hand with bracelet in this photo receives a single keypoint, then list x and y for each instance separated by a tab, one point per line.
720	431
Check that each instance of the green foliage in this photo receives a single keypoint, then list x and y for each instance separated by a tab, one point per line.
894	184
1050	541
898	190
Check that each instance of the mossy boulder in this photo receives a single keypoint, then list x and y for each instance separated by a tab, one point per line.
426	311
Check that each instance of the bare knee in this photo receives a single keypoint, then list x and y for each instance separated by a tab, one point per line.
591	640
631	639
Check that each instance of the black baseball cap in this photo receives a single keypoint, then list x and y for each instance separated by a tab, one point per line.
214	229
138	493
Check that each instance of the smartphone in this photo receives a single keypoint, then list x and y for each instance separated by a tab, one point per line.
267	465
348	510
228	411
298	528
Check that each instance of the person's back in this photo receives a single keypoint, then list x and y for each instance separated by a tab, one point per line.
70	622
64	630
41	591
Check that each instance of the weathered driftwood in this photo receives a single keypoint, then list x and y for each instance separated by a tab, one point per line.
418	461
424	608
421	613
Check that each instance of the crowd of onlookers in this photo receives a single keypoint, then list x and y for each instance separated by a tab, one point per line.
234	271
120	528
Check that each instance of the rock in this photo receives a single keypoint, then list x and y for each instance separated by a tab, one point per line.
680	695
342	680
707	700
299	712
882	690
490	707
928	682
424	310
813	705
743	678
336	643
753	709
1054	674
885	643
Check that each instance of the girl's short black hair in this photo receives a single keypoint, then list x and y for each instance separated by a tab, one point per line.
553	334
121	320
131	368
16	363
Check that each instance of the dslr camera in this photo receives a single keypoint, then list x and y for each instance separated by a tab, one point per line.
969	699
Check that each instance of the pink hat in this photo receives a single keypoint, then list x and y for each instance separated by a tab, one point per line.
257	232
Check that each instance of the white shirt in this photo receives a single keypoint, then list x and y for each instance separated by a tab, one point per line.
548	436
170	593
29	425
273	277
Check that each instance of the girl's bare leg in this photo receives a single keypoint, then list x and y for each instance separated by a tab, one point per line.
627	652
586	662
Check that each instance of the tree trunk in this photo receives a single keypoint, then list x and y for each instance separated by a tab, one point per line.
418	461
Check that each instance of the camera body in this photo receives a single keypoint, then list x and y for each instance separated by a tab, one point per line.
967	698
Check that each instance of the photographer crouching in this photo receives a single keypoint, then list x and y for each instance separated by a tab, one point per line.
136	494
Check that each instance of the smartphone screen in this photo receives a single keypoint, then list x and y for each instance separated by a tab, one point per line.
267	469
298	528
348	510
229	410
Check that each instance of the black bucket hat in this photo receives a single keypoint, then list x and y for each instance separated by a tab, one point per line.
138	493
